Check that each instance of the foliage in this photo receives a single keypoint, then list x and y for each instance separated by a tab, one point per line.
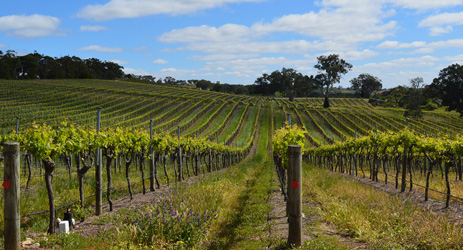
395	97
449	85
37	66
330	69
414	100
288	135
170	221
366	84
288	82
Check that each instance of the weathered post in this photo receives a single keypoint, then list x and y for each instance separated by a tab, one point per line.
151	158
294	187
404	169
196	156
180	170
98	177
288	118
355	156
11	196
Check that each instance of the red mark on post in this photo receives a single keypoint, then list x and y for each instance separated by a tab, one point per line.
295	184
6	184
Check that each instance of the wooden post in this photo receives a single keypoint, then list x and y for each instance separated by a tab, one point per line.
355	158
294	187
404	170
98	177
151	158
288	118
180	170
11	196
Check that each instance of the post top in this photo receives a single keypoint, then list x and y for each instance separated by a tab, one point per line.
11	147
295	148
9	143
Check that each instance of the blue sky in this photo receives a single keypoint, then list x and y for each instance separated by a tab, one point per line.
236	41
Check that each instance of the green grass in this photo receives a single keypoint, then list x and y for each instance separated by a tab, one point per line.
380	220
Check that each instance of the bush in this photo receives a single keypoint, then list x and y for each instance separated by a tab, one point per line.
167	221
431	105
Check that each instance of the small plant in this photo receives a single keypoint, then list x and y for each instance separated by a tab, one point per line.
79	212
166	220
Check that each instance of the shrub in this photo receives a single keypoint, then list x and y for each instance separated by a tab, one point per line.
168	221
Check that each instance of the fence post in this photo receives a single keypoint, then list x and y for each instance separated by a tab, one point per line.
151	158
294	187
288	118
180	170
11	196
98	177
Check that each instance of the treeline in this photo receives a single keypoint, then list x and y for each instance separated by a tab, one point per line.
287	82
38	66
445	90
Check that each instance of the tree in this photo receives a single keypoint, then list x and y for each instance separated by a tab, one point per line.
170	80
330	69
30	66
204	84
263	85
288	82
10	65
303	85
414	98
450	87
366	84
74	67
49	68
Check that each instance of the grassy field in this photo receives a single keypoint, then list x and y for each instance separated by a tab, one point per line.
235	198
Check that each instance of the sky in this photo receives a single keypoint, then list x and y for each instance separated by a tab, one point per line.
236	41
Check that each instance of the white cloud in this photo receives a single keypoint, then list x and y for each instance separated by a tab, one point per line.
412	62
220	57
3	46
454	59
160	61
175	73
138	8
442	23
355	55
227	32
346	24
94	28
423	51
294	47
437	31
422	47
119	62
343	25
426	4
98	48
135	71
442	19
340	29
397	45
32	26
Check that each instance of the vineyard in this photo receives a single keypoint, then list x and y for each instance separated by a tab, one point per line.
152	136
